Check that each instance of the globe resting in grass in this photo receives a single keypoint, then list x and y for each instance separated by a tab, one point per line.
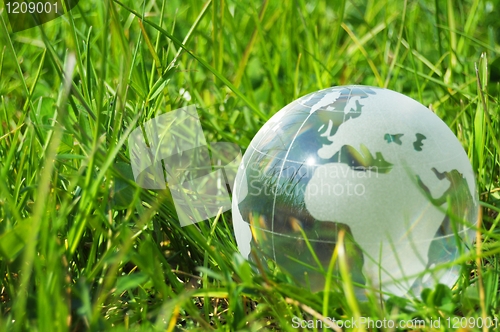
368	162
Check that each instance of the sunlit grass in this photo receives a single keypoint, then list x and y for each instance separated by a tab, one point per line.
83	247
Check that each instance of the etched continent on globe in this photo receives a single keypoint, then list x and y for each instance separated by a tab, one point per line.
367	160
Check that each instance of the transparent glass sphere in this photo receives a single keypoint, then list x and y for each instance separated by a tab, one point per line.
365	162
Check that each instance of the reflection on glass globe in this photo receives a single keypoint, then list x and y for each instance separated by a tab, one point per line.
366	162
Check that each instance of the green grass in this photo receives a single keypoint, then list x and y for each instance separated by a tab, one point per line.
83	248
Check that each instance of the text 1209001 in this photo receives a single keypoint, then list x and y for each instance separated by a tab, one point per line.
31	7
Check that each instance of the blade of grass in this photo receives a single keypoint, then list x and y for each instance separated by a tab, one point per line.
365	54
201	61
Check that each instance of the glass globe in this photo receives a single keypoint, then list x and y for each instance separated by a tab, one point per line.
365	162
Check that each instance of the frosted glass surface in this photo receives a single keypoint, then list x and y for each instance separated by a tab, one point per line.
371	162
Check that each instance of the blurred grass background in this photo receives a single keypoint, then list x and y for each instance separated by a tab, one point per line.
83	248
